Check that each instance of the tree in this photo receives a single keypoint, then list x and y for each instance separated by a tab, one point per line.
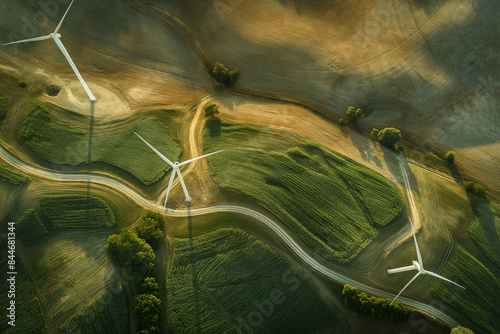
4	105
450	157
461	330
374	134
223	75
353	115
211	109
342	122
389	136
150	230
475	188
149	286
147	309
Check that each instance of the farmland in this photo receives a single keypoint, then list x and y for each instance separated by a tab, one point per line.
479	301
12	176
65	143
332	203
29	316
107	314
73	211
70	270
485	229
227	279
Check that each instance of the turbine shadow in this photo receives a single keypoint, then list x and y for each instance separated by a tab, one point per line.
196	287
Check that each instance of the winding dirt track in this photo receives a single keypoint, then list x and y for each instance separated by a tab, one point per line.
263	219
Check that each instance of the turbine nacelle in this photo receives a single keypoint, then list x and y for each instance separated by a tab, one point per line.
55	35
175	170
418	267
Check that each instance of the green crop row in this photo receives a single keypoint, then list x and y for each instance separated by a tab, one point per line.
107	314
59	142
226	280
332	203
12	176
479	301
70	211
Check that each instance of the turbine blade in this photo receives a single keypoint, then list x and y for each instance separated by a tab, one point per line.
35	39
156	151
402	269
443	278
188	199
203	156
416	246
60	23
169	186
73	66
405	287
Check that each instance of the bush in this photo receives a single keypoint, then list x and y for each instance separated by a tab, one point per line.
374	134
223	75
342	122
389	137
211	109
450	157
475	188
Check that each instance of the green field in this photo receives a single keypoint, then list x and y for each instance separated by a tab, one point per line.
66	143
107	314
12	176
76	211
29	316
226	280
479	301
69	271
332	203
30	228
485	229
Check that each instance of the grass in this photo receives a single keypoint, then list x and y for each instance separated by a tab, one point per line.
76	211
332	203
65	143
479	301
12	176
30	228
226	280
29	316
107	314
485	229
70	270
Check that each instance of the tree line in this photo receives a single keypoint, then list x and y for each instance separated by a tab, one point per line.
133	250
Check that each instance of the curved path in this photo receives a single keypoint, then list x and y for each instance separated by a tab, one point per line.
265	220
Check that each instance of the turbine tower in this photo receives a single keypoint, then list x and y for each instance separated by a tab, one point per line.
175	170
417	265
56	37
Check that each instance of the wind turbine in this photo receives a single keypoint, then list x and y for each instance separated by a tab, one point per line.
56	37
175	170
417	265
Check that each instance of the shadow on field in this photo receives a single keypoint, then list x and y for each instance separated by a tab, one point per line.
194	273
486	219
89	163
233	101
214	127
394	166
365	150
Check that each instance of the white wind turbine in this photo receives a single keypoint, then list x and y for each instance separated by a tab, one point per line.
417	265
175	170
55	36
